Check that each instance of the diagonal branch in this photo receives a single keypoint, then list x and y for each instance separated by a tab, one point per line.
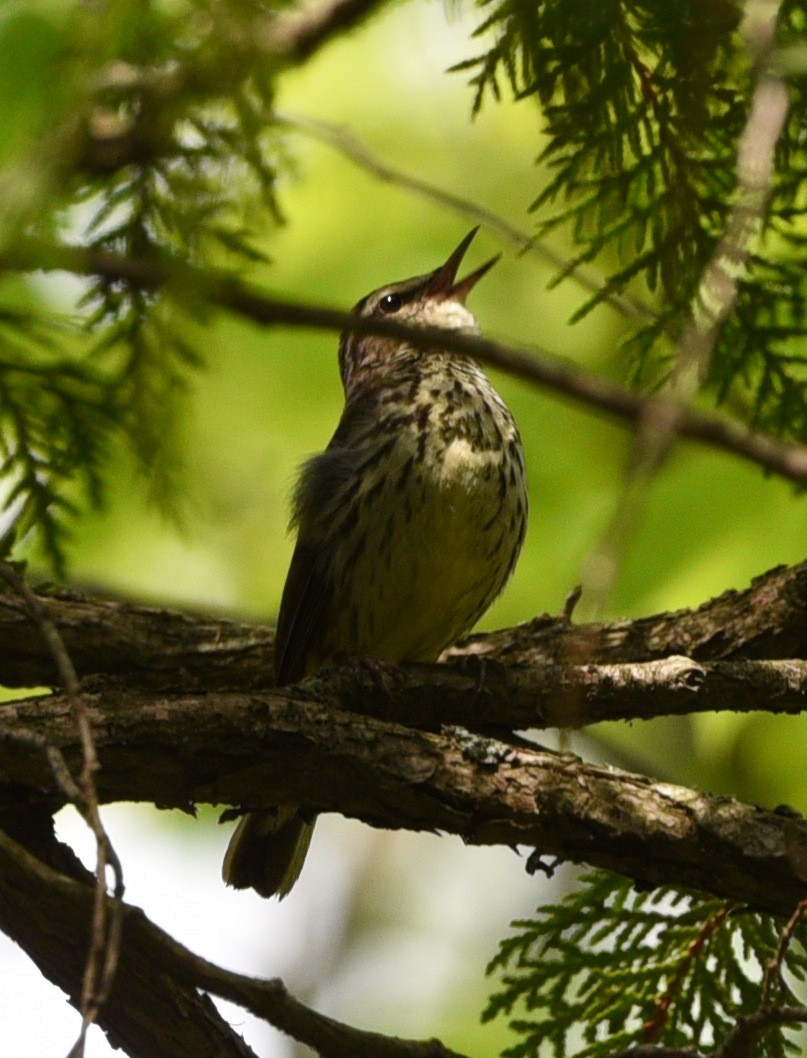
157	1008
241	43
188	282
350	146
147	1013
715	301
102	958
297	34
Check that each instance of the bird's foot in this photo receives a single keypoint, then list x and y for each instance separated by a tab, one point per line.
536	864
380	673
479	666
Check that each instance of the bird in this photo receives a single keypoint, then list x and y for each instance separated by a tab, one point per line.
409	524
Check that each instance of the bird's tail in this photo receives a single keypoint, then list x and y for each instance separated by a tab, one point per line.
267	850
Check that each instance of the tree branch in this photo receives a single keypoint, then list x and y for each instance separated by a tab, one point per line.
743	1041
219	288
296	35
172	747
155	647
106	141
104	948
255	750
156	1008
343	140
530	691
148	1012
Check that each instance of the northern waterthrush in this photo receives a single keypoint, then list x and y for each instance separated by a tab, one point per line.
408	524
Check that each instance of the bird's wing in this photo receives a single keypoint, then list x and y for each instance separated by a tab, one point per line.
323	494
303	614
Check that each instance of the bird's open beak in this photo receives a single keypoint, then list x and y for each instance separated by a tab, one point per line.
441	283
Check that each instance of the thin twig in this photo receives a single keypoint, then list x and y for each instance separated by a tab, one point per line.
102	957
715	299
350	146
742	1041
55	758
773	970
654	1026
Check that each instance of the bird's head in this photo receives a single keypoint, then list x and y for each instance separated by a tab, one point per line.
432	300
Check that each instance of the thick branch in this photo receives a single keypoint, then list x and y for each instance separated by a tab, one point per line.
147	1013
156	1008
547	695
297	35
253	750
107	140
150	647
146	646
767	620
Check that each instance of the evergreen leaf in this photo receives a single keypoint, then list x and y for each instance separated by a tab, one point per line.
610	967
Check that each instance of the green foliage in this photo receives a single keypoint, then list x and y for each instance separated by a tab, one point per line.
56	416
611	967
176	157
147	129
643	103
179	204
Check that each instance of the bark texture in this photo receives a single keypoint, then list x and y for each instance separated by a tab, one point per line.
182	713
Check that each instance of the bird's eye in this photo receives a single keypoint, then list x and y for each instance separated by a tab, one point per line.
390	303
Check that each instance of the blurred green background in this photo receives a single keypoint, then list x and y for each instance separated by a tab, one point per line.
393	931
